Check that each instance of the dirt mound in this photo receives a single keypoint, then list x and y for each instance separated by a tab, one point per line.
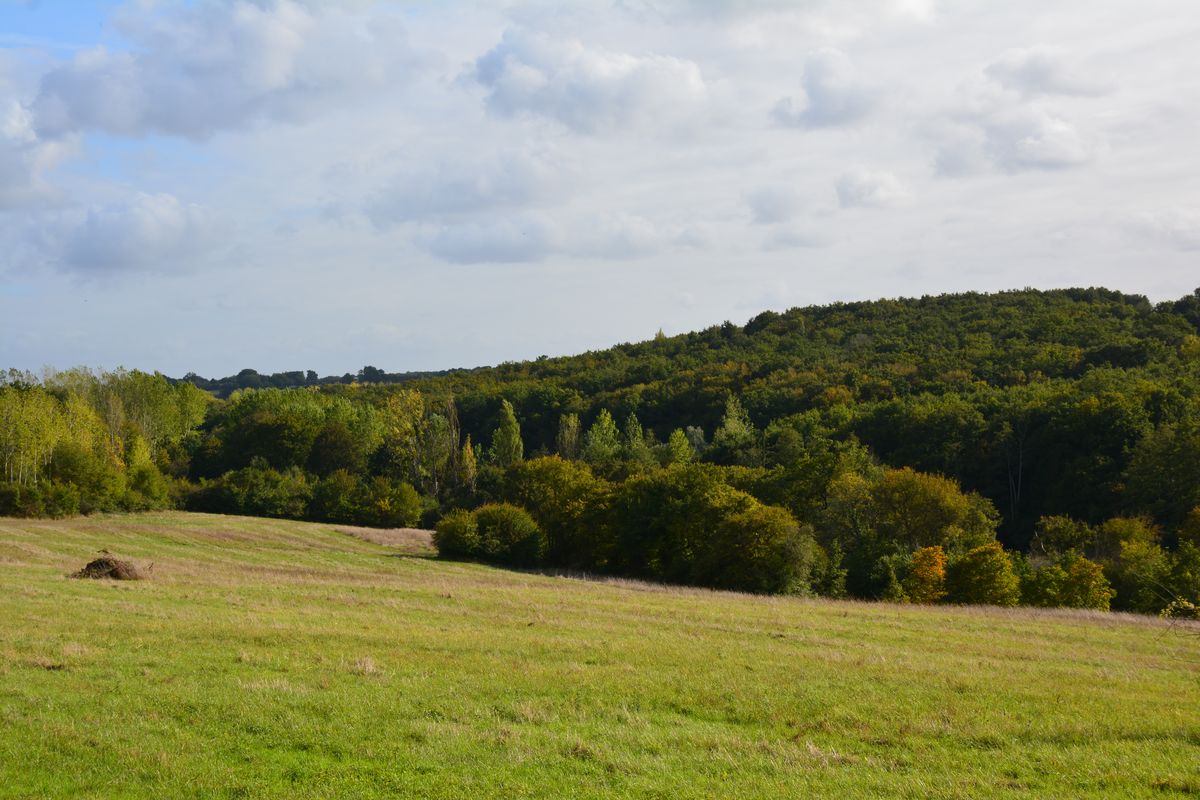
112	568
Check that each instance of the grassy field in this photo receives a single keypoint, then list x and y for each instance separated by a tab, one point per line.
279	659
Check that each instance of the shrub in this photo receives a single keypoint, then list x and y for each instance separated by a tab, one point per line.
661	522
508	535
457	535
1071	582
983	576
1134	562
148	489
102	486
20	501
386	503
256	490
762	549
926	580
1085	585
567	501
1181	609
1183	576
334	498
1057	535
60	500
882	578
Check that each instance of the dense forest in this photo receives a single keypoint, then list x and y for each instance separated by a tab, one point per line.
1037	447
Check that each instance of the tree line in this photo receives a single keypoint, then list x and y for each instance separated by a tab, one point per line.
1032	447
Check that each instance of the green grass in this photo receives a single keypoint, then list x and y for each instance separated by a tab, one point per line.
280	659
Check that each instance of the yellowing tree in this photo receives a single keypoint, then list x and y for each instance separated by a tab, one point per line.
926	581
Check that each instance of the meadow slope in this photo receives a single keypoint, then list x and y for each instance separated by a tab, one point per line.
268	658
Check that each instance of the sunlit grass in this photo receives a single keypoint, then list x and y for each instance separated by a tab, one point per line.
280	659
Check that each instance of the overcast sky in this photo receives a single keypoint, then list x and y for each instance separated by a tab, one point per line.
207	186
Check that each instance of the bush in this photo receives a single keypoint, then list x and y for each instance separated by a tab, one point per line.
508	535
567	501
983	576
385	503
661	522
60	500
334	499
762	549
1181	609
457	535
148	489
20	501
257	490
102	486
1071	582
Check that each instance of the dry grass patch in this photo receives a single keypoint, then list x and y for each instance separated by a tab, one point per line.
408	541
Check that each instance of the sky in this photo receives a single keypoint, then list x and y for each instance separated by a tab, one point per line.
212	185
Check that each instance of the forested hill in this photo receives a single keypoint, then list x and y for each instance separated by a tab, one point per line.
847	354
827	449
813	356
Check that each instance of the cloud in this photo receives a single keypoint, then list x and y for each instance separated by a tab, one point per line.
468	186
993	129
535	236
773	204
24	158
866	188
196	69
1179	227
530	237
588	89
617	236
152	232
1045	71
791	237
833	94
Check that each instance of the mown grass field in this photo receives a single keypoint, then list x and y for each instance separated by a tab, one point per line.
280	659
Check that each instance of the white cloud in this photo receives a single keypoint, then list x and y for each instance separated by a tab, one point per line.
469	185
536	236
24	158
1045	71
197	69
993	129
864	187
590	90
833	94
528	237
773	204
1178	227
152	232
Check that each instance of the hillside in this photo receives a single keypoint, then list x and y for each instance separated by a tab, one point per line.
1035	399
268	658
877	450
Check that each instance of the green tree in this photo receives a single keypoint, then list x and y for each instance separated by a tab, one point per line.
983	576
508	535
507	447
1071	582
736	441
602	442
761	549
634	443
678	450
569	503
1057	535
457	535
568	440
